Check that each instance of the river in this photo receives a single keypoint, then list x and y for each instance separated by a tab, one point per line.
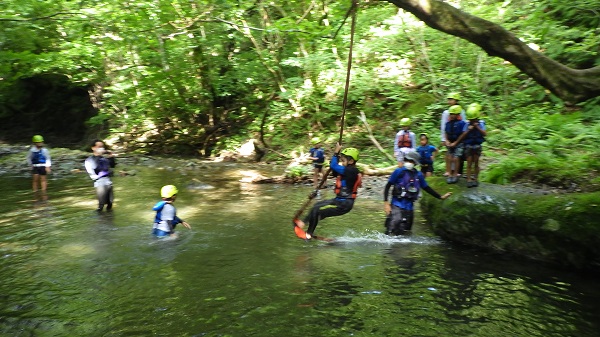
240	271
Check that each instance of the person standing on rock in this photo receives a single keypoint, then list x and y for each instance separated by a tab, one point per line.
473	136
405	183
98	167
38	159
427	153
453	99
454	129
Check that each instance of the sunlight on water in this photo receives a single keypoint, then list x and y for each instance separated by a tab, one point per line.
352	237
241	271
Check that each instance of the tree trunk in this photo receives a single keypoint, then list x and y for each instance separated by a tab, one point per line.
571	85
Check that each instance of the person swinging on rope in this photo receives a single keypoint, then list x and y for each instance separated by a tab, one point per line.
343	164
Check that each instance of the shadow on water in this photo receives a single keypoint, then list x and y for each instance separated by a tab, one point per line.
240	271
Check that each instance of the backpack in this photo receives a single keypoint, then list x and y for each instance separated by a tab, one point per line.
408	185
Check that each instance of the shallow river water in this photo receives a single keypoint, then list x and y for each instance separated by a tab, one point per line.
240	271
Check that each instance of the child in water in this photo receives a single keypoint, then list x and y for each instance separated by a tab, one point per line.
38	158
166	218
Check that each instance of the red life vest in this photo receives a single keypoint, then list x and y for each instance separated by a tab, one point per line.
404	140
343	192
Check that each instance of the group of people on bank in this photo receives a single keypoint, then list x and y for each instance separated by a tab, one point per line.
462	133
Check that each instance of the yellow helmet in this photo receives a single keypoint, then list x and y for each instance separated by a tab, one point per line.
455	109
405	121
350	152
473	111
315	140
453	95
168	191
37	139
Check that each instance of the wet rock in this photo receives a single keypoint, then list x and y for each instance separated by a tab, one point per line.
559	228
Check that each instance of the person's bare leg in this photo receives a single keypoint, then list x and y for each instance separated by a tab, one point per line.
469	165
36	179
43	183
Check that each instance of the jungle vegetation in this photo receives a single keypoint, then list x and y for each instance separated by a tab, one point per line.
203	77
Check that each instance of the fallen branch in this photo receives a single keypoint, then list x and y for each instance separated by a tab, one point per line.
363	119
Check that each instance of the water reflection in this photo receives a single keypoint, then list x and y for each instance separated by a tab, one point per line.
240	271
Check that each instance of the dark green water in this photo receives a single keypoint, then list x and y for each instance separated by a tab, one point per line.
67	271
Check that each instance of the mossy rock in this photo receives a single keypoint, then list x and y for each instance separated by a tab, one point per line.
557	228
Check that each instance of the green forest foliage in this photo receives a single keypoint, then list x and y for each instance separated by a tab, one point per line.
205	76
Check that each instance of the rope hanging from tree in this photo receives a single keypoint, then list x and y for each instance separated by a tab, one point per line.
311	196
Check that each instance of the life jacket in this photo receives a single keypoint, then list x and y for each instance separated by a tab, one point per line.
318	153
38	157
454	130
474	137
353	179
407	186
102	166
404	140
425	153
158	218
158	208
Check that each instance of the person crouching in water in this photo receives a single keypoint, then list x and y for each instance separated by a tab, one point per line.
98	167
166	218
405	182
343	164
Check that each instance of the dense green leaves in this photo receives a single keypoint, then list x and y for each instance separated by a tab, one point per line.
205	76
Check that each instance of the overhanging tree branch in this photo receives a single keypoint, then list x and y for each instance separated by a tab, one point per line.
571	85
46	17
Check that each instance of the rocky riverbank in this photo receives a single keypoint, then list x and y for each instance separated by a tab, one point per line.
66	162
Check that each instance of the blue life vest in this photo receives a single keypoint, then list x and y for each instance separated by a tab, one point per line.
318	153
158	218
38	157
474	137
158	208
454	129
407	186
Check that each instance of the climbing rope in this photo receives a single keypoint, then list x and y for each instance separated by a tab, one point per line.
311	196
